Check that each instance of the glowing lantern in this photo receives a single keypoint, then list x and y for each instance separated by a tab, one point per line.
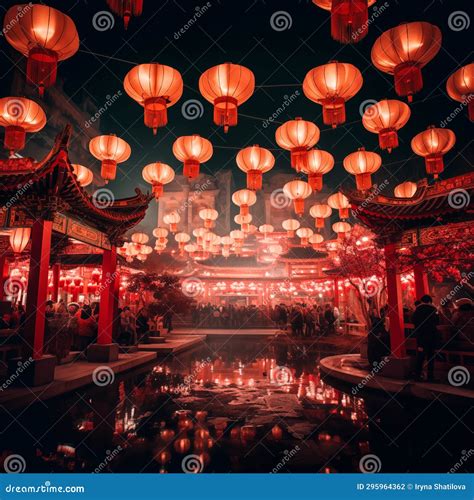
255	161
244	198
140	238
146	250
126	9
460	87
83	174
199	234
362	164
156	87
318	163
304	233
315	240
332	85
160	233
266	229
290	226
172	219
142	257
208	215
238	237
405	190
297	136
297	191
243	221
182	239
158	174
226	86
275	249
19	239
110	150
402	51
190	248
19	115
227	242
349	18
45	36
320	211
433	144
192	150
385	118
340	202
341	228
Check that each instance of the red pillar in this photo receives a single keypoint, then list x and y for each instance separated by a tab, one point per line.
37	291
107	294
3	274
394	296
421	281
56	274
336	293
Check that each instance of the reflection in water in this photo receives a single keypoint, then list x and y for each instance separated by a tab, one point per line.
241	407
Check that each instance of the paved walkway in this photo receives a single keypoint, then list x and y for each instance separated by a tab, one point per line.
350	369
247	332
174	343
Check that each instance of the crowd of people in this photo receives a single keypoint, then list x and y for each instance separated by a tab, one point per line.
229	316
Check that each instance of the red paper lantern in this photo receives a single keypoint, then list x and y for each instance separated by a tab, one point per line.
126	9
255	161
192	150
111	150
362	164
460	87
318	163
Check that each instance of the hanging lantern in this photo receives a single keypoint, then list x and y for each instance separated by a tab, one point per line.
433	143
290	226
83	174
238	237
304	233
332	85
199	234
173	219
226	86
140	238
405	190
318	163
243	221
362	164
266	229
19	115
341	228
255	161
192	150
340	202
297	136
160	233
126	9
182	239
244	198
349	18
19	238
315	240
190	249
385	118
320	211
297	191
460	87
403	51
45	36
227	242
156	87
208	215
158	174
110	150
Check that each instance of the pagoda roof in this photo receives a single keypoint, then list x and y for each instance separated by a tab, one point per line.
43	188
299	253
233	261
444	201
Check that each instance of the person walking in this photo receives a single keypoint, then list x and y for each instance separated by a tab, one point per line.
425	319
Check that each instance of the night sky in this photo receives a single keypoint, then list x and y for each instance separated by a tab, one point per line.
241	32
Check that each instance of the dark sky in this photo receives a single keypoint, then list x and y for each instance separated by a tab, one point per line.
241	32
